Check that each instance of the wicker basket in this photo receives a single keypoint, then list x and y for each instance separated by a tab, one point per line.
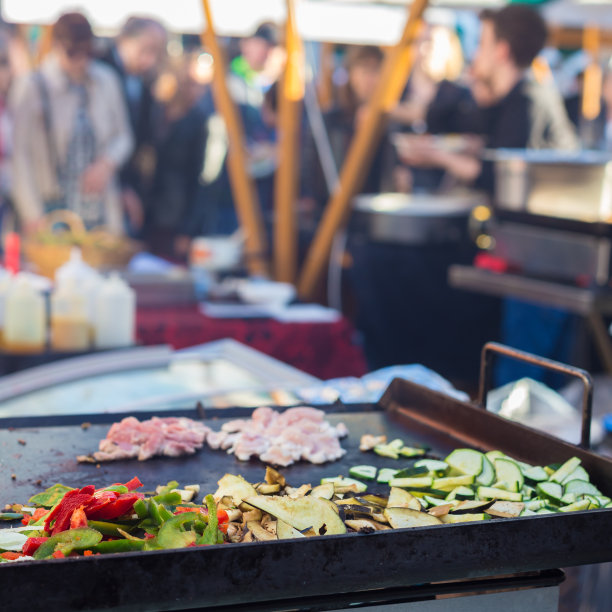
50	247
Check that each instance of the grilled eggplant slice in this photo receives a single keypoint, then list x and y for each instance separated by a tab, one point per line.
398	498
472	506
463	518
284	531
400	518
302	513
506	509
325	491
235	487
365	525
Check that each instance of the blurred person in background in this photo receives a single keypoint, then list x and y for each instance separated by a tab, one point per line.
517	112
436	102
213	212
181	137
363	66
72	133
6	132
138	50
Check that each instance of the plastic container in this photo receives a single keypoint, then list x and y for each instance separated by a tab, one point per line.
75	269
25	324
115	314
70	324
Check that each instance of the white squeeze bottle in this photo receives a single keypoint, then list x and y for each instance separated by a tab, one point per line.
115	314
24	318
70	329
6	280
87	280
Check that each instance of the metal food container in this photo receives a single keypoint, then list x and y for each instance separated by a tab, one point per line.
414	218
570	185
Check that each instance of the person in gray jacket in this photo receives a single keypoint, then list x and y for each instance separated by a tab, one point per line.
71	133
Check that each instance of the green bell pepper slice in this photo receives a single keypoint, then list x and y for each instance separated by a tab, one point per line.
68	541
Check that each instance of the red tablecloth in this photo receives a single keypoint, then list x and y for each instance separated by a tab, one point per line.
325	350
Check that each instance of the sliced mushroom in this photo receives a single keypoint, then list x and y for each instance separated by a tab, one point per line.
274	477
297	493
259	533
365	525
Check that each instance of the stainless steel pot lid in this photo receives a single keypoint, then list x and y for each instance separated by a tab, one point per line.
548	156
418	205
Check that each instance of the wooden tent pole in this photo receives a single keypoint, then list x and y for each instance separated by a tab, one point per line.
243	188
593	74
326	77
290	98
395	71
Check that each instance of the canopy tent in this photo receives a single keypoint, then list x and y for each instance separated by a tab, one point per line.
354	21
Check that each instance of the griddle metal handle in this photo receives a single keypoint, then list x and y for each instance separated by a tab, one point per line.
492	349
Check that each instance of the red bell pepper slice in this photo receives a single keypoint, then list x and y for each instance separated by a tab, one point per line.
100	500
133	484
11	556
32	545
62	513
78	518
120	506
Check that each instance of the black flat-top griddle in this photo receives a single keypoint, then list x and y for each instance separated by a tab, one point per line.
237	574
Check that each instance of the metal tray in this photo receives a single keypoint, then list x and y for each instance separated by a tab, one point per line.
234	575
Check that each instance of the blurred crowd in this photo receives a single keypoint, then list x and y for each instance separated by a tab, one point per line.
125	132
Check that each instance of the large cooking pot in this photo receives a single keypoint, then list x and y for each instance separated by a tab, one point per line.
415	218
570	185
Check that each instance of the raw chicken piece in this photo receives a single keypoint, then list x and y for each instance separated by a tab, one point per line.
132	438
368	441
282	438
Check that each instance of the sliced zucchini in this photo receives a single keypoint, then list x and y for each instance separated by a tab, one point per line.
527	512
410	472
508	471
487	476
432	465
452	482
507	486
535	474
396	444
549	470
461	493
423	482
578	474
565	470
463	518
569	498
581	487
493	455
609	505
398	498
535	504
583	504
551	491
409	451
386	450
363	472
434	501
493	493
466	460
341	482
546	511
528	492
603	501
400	518
386	474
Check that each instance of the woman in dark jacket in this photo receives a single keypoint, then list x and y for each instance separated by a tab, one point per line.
179	148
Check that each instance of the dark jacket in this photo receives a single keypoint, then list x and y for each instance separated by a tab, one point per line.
141	117
340	126
179	153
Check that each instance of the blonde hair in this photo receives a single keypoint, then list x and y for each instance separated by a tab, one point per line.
444	57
